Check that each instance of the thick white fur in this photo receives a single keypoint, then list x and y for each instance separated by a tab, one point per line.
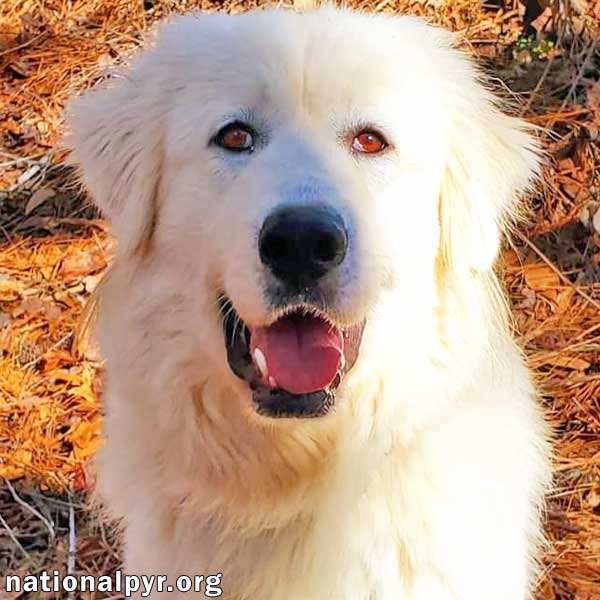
427	481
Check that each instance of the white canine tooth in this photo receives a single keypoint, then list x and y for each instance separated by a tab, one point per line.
261	362
272	382
342	362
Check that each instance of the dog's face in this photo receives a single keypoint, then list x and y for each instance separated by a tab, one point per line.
291	194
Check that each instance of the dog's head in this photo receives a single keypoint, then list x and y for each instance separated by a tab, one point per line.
294	195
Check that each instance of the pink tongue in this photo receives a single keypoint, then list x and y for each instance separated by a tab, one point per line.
303	353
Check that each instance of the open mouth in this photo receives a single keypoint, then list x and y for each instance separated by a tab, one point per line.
293	366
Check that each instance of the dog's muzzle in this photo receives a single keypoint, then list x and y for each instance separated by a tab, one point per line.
294	365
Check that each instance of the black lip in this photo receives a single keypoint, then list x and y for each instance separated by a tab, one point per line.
280	404
276	403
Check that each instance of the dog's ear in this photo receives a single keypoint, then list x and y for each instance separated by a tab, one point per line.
116	137
492	159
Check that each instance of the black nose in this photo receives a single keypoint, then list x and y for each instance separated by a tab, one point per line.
301	244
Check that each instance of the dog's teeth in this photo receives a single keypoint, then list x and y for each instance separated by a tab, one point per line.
261	362
272	382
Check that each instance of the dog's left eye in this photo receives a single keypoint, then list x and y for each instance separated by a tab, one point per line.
236	137
369	142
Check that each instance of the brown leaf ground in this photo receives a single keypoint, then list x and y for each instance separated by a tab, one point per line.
54	249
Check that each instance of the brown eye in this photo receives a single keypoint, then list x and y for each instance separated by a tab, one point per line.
236	137
369	142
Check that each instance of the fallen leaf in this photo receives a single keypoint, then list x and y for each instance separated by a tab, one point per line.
47	273
529	298
561	360
31	306
541	277
564	299
23	456
87	347
571	188
83	480
10	290
91	282
596	221
86	388
86	439
38	198
510	258
587	213
80	263
56	359
82	434
10	472
566	165
28	175
34	222
21	69
593	498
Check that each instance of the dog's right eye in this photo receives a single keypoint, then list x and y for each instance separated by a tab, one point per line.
236	137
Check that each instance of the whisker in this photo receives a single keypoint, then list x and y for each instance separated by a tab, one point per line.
229	312
235	326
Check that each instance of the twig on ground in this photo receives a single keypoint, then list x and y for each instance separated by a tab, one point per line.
72	543
31	509
13	537
563	278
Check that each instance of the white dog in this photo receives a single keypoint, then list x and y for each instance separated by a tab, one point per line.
311	384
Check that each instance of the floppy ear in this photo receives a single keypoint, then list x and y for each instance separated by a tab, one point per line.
116	137
492	159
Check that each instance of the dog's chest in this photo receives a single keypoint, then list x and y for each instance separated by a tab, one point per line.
346	551
351	557
382	543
